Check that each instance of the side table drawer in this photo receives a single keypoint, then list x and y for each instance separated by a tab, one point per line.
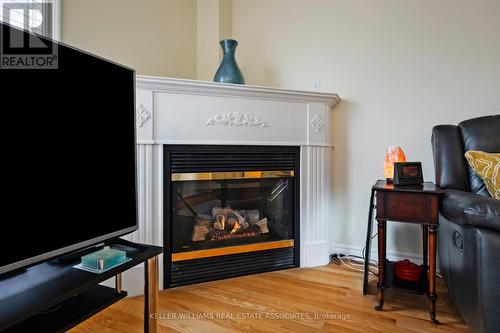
408	207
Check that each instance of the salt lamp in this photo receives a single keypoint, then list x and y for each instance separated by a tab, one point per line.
394	154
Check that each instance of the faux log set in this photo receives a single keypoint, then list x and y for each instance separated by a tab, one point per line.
228	223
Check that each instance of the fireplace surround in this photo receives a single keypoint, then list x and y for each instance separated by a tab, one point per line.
184	112
229	211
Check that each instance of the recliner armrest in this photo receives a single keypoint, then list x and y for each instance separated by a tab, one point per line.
471	209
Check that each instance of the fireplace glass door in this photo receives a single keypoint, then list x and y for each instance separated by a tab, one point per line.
214	210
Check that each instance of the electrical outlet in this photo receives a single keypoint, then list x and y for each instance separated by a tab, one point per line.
316	84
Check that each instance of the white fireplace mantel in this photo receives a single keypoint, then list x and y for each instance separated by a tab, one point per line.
154	83
174	111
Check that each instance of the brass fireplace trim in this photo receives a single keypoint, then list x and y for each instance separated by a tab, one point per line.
180	177
222	251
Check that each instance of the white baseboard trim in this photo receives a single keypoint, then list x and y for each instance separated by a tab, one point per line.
358	251
316	254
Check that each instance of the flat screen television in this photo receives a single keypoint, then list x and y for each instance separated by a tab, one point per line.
68	152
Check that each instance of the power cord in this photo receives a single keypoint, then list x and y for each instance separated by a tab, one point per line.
353	262
357	263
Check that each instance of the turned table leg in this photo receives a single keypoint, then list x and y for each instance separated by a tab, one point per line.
432	272
151	295
368	245
381	264
425	246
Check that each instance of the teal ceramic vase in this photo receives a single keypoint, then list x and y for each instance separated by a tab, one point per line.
228	71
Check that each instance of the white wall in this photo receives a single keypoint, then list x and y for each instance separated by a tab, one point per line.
155	37
214	23
401	67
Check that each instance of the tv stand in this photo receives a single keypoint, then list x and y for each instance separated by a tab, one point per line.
54	297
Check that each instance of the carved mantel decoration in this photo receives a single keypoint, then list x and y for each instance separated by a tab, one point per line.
236	119
142	115
317	123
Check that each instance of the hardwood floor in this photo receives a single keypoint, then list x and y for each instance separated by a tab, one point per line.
323	299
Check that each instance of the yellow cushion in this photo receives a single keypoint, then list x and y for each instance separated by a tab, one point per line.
487	166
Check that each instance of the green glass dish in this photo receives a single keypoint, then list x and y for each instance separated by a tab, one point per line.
104	259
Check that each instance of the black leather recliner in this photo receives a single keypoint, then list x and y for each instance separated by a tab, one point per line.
469	222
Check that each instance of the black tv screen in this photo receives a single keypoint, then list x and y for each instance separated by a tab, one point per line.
69	164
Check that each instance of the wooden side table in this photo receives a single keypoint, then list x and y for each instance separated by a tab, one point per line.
408	204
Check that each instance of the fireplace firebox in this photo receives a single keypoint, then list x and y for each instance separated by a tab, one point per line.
229	211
